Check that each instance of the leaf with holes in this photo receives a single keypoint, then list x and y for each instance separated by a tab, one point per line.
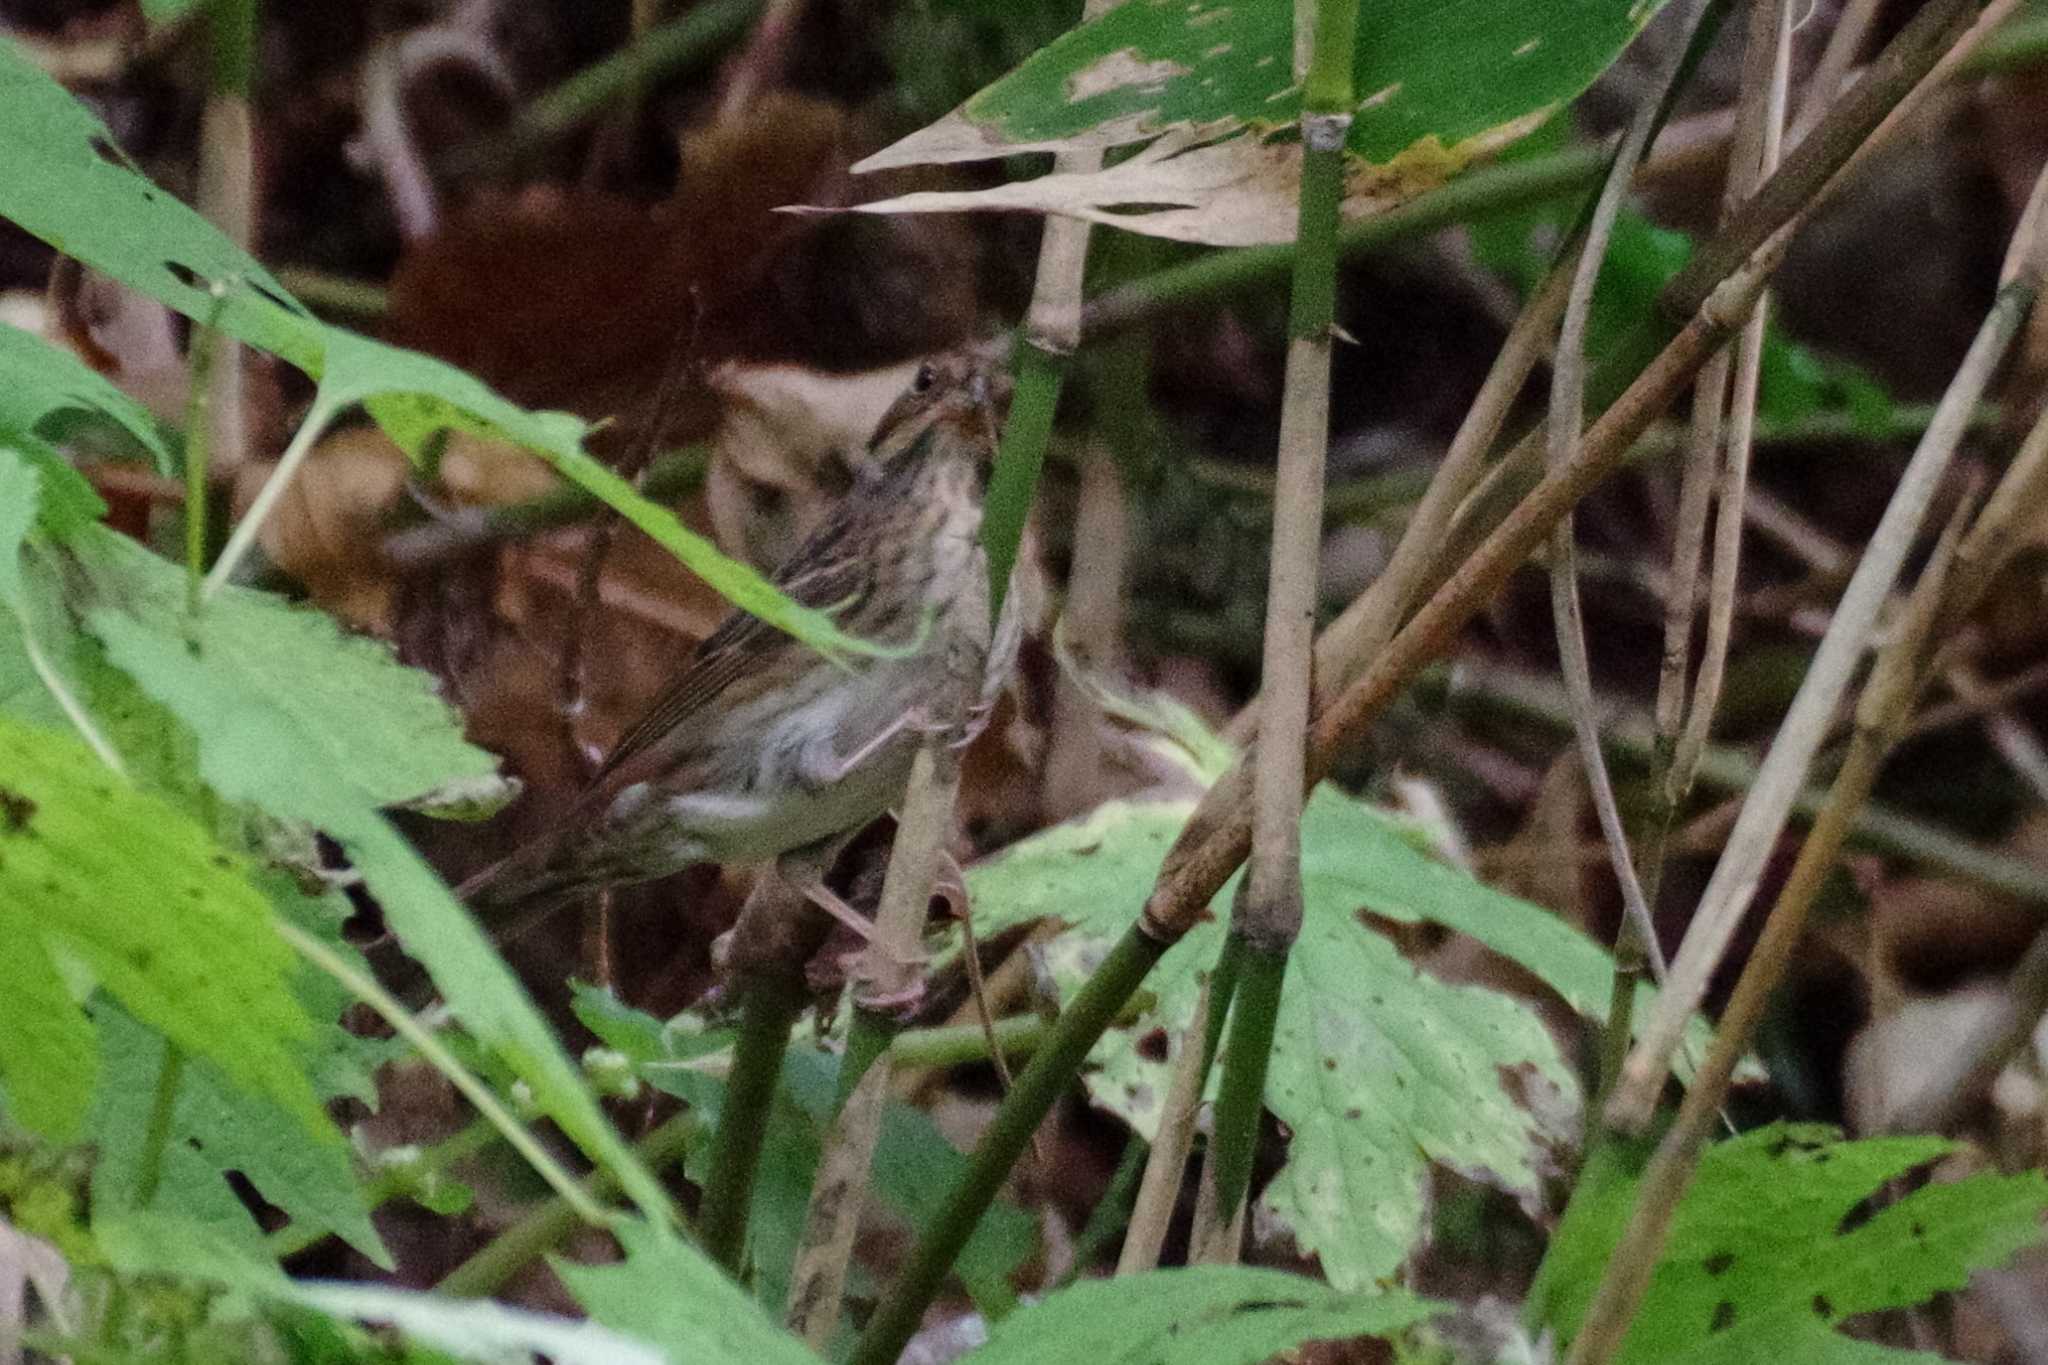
1775	1246
1378	1069
1210	85
94	870
63	179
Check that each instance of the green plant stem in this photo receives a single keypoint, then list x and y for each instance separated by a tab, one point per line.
1112	1213
515	1248
366	989
243	538
953	1044
335	294
1040	375
198	449
156	1139
1051	1072
1241	1095
1267	914
773	1005
231	46
683	44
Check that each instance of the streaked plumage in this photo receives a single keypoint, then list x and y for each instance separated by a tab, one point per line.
763	750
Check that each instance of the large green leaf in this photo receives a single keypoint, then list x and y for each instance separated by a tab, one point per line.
1378	1069
287	718
63	179
1199	1315
1438	83
159	913
1764	1260
669	1294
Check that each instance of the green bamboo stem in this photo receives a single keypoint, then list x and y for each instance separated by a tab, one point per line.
1217	840
552	1221
1040	375
1267	914
766	1021
1048	1077
1241	1094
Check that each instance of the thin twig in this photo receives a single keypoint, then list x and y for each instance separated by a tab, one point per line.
1735	878
367	990
1566	423
1266	919
1758	138
243	538
1166	1162
886	973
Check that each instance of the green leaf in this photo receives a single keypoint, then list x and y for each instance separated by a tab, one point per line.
1764	1261
473	1329
381	731
230	1129
668	1293
1438	83
1198	1315
45	382
163	918
65	181
1378	1069
273	735
46	1046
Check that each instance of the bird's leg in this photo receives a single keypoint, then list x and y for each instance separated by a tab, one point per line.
822	767
804	869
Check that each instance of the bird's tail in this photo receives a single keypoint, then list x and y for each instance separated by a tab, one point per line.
530	883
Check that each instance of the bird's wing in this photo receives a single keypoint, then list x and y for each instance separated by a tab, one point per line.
821	574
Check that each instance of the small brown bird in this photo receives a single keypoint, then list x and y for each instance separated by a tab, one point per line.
764	750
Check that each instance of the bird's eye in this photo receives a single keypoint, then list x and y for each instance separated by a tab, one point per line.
926	377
